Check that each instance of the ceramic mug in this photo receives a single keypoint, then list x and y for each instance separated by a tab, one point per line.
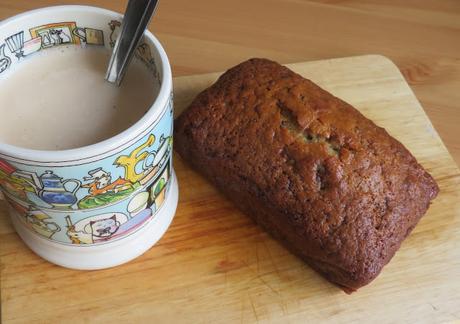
104	204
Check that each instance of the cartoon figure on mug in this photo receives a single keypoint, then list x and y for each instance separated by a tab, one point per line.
95	229
102	190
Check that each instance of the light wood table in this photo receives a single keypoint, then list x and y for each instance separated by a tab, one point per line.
421	37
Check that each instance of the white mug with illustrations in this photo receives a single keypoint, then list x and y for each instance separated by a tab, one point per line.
85	167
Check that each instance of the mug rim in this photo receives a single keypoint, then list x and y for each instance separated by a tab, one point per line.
112	143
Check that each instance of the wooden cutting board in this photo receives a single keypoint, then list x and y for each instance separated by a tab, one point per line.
214	265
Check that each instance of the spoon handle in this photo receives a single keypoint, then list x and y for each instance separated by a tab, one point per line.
135	21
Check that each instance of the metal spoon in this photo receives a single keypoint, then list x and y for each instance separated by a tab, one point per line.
135	21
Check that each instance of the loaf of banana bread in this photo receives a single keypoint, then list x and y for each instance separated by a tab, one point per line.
334	188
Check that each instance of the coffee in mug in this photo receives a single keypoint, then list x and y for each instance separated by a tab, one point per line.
68	102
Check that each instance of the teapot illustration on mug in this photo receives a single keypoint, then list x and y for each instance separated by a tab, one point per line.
50	188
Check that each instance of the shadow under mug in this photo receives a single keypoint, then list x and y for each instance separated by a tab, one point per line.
104	204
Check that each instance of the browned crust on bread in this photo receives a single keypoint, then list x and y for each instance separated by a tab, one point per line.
333	187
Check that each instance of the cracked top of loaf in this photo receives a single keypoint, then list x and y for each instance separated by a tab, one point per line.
335	188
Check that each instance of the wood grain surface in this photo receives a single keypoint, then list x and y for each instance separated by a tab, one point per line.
215	266
421	36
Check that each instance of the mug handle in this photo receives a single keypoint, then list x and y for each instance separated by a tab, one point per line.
77	30
77	184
